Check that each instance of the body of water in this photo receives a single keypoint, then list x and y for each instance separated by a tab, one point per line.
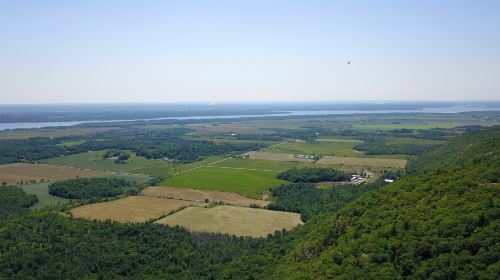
447	109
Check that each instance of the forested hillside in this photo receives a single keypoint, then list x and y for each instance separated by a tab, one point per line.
478	150
442	223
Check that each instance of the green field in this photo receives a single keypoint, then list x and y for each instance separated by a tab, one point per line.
260	164
94	160
136	165
251	183
174	168
322	148
41	190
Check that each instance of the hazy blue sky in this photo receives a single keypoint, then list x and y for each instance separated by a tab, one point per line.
146	51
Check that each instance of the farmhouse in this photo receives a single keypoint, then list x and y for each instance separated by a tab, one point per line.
357	178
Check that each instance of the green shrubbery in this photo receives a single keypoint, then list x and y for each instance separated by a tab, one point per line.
313	175
14	200
86	188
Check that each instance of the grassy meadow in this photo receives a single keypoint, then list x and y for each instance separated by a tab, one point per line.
251	183
94	160
259	164
135	164
41	190
131	209
240	221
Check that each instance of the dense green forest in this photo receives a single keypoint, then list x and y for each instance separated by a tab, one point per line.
313	175
96	188
14	200
478	150
441	221
49	246
14	150
309	201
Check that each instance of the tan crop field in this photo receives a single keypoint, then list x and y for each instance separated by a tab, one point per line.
202	195
276	156
375	162
132	209
240	221
28	173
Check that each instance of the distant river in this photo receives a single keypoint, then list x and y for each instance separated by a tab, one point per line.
448	109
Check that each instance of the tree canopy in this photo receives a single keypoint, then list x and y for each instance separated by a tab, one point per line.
313	175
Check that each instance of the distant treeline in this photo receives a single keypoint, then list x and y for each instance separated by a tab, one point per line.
14	150
88	113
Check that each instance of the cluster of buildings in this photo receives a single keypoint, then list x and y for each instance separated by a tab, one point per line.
357	179
306	156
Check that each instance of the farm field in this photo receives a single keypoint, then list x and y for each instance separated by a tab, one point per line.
322	148
276	156
135	165
132	209
94	160
240	221
356	161
251	183
202	195
260	164
175	168
14	173
41	190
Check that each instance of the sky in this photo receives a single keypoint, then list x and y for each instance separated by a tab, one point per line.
183	51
